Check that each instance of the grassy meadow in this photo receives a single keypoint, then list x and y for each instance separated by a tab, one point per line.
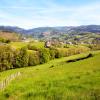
18	45
49	49
56	80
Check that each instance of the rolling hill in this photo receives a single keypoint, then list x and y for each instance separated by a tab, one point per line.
62	29
56	80
8	36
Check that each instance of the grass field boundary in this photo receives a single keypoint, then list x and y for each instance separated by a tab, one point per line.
80	58
5	82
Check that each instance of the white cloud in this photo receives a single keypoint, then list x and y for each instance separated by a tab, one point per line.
52	15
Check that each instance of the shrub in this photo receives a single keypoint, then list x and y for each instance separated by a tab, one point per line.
33	58
94	46
61	52
32	47
58	53
44	55
52	53
3	40
21	58
6	57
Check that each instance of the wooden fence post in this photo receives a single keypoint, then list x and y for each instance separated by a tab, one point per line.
5	82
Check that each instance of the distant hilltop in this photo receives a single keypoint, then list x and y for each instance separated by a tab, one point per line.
43	31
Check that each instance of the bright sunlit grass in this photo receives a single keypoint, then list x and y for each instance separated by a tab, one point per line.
56	80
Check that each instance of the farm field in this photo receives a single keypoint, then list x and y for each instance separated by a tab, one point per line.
19	45
56	80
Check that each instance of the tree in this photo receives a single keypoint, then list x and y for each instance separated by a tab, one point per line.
44	55
21	58
6	57
33	58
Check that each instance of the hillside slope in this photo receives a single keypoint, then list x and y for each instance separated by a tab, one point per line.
11	36
56	80
54	30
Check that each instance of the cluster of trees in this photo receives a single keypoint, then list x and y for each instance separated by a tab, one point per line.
11	58
3	40
6	57
95	45
7	36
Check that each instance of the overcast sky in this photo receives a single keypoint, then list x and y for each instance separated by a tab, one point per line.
40	13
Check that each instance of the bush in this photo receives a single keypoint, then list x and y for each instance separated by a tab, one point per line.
52	53
61	52
44	55
21	58
11	58
4	40
6	57
32	47
33	58
94	46
58	54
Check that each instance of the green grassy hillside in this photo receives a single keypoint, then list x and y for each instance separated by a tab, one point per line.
18	45
56	80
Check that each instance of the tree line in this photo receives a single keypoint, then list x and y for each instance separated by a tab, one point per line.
11	58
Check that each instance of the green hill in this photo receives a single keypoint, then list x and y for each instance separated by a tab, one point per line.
56	80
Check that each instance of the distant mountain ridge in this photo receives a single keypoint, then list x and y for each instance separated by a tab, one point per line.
12	29
53	30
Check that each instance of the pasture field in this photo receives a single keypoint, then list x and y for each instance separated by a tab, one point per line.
56	80
18	45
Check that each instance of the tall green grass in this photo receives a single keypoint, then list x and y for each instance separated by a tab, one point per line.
56	80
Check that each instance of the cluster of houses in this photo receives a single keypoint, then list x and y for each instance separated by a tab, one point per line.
50	43
24	39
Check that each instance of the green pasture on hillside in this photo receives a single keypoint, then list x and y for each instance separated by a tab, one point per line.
56	80
24	44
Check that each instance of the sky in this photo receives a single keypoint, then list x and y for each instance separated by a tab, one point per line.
44	13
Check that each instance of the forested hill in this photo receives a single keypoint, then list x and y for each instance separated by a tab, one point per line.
43	31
